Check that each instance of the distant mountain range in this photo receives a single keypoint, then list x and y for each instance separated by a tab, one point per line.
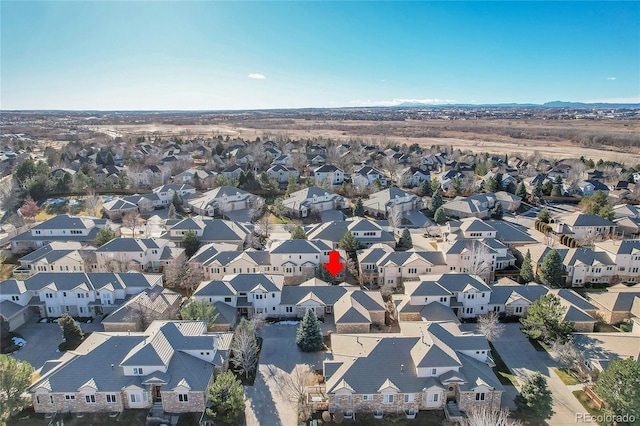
553	104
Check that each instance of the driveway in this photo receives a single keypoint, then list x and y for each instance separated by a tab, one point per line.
266	403
522	359
43	340
417	219
242	215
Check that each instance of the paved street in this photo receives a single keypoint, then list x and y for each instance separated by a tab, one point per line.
266	404
43	340
522	359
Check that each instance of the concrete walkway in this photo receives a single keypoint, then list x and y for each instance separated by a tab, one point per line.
523	360
267	402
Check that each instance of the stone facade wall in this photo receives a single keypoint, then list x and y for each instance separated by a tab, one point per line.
410	316
79	404
466	400
352	328
120	326
357	405
585	327
172	404
613	317
377	317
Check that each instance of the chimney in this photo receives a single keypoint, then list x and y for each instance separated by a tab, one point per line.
402	368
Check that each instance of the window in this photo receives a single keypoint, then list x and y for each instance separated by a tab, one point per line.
408	397
227	299
289	309
435	397
64	294
135	397
137	370
111	398
90	399
434	371
443	299
518	310
51	398
69	397
480	396
367	397
388	399
183	397
413	270
469	310
15	298
259	296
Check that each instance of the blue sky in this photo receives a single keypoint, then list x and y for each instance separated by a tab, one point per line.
247	55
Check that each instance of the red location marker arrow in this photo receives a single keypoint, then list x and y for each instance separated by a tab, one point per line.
334	266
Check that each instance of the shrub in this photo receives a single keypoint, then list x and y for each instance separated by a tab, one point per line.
338	417
326	416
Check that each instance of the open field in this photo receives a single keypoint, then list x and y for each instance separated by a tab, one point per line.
549	138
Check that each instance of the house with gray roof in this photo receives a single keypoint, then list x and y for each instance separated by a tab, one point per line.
366	231
137	313
619	303
329	173
583	226
357	311
190	176
365	176
56	256
165	192
215	265
118	207
209	230
169	365
380	203
302	258
221	200
137	254
429	366
477	205
312	294
313	200
59	228
625	254
79	294
282	173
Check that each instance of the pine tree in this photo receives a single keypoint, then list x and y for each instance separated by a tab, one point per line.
71	332
176	200
522	190
436	200
544	320
547	186
227	398
172	212
435	186
298	234
552	269
14	381
309	335
440	217
535	401
544	215
491	184
358	209
405	239
457	186
425	188
537	190
498	212
526	271
556	191
618	385
104	235
349	243
191	243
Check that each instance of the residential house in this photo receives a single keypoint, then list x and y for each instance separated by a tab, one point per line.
137	313
625	255
216	264
312	294
589	187
429	366
366	232
59	228
446	179
248	293
282	173
382	265
165	192
617	303
117	208
412	176
583	226
233	171
208	230
302	258
191	176
169	366
148	176
79	294
221	200
137	254
366	176
57	256
313	200
478	205
328	173
381	203
357	311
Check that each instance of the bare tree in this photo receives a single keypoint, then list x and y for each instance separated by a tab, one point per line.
131	220
394	215
143	314
181	274
477	260
92	203
490	327
117	263
293	386
258	322
483	415
567	355
244	350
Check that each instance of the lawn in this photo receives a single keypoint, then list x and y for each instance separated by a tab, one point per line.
129	417
501	370
588	404
424	418
566	377
605	328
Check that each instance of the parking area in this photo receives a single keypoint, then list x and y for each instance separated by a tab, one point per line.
267	404
43	340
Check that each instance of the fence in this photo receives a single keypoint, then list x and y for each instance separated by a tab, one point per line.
597	401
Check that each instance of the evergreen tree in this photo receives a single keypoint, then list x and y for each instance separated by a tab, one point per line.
104	235
552	269
440	217
349	243
15	378
219	148
190	242
227	398
358	209
522	190
526	271
498	212
172	212
200	310
619	386
435	186
544	320
547	186
491	184
292	185
71	332
537	190
309	335
457	186
535	402
436	200
278	208
405	239
544	215
298	234
425	188
5	328
481	168
556	191
176	201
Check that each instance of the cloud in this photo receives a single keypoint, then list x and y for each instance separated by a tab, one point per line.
400	101
257	76
611	78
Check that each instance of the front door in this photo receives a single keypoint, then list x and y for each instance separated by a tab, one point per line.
157	393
